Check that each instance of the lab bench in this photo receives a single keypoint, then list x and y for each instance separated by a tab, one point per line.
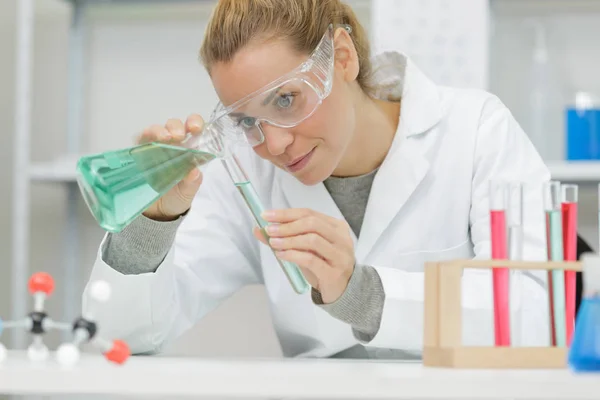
270	378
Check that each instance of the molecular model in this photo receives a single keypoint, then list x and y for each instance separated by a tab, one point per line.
84	329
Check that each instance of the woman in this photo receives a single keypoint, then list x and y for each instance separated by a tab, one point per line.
368	170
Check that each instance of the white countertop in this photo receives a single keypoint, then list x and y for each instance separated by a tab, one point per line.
277	378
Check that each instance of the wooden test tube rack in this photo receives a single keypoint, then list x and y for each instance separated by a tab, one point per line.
442	339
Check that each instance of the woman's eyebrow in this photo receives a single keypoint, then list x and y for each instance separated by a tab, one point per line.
237	115
271	95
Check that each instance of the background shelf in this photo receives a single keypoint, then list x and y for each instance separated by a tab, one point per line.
61	170
575	171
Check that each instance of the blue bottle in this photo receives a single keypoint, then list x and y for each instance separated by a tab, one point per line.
583	129
584	353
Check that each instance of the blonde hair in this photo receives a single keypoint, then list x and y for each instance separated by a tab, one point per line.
234	23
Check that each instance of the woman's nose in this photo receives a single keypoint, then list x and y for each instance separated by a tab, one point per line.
277	139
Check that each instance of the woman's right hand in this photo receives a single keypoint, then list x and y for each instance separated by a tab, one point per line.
179	199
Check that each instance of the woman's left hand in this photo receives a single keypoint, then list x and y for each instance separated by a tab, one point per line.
320	245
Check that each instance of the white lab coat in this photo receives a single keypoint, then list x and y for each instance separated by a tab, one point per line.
429	201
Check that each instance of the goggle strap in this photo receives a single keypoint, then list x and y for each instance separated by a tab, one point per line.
322	60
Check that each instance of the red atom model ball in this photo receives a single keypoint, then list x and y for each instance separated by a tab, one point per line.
41	282
119	353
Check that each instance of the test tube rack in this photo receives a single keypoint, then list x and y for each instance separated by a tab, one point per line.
442	345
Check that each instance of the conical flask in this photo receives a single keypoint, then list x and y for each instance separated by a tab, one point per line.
584	353
120	185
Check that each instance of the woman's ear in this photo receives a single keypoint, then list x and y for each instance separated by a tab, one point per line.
346	58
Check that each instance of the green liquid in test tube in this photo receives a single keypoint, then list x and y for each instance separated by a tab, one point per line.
556	279
246	189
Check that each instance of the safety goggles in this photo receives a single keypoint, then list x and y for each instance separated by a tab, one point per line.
285	102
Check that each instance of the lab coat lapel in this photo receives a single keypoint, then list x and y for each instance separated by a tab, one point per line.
406	164
397	179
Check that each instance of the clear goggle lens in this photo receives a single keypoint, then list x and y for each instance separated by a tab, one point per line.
284	103
284	106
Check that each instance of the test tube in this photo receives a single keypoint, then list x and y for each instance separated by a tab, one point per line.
554	246
500	276
515	221
569	197
246	189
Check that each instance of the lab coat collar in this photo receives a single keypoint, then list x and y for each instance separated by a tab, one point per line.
397	77
404	167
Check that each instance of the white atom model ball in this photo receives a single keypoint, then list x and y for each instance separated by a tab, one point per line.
38	353
100	291
67	354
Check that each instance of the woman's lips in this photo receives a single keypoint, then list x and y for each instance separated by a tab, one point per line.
300	163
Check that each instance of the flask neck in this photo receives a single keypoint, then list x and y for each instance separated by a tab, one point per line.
208	141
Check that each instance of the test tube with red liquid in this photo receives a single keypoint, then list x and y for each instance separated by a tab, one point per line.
500	276
569	197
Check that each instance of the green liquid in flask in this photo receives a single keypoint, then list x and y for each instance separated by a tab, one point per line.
292	271
120	185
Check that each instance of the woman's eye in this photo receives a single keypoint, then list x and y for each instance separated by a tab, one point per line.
285	100
247	122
